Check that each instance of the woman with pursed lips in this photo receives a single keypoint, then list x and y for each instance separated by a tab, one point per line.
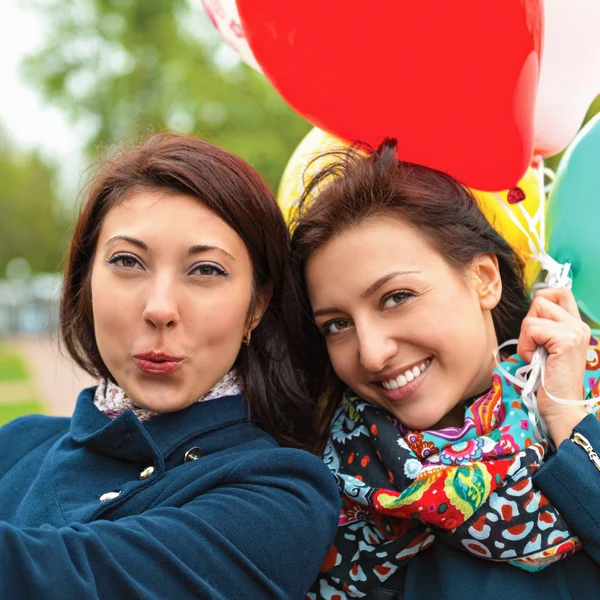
449	489
184	473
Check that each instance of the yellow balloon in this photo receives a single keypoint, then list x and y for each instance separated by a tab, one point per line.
306	161
311	156
495	205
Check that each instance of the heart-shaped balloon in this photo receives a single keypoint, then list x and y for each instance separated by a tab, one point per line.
454	82
570	73
224	16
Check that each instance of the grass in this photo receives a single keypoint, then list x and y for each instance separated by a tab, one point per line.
16	387
12	366
11	411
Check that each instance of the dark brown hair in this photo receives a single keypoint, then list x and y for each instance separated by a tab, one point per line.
224	183
355	188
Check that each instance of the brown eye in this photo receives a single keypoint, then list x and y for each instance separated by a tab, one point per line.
126	261
208	270
396	299
335	326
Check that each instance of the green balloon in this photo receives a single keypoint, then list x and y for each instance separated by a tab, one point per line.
573	216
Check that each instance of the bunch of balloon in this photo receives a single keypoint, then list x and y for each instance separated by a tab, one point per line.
510	211
573	217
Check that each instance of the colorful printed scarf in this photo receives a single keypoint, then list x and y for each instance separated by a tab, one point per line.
471	486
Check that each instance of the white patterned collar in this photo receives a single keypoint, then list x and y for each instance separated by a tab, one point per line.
113	401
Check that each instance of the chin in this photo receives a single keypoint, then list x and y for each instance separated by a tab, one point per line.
157	398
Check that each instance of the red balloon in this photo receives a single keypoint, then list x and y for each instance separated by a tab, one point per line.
454	82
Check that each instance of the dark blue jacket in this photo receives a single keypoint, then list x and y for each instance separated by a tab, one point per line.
245	519
572	483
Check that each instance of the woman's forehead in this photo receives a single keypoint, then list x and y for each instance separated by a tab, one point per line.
160	220
375	242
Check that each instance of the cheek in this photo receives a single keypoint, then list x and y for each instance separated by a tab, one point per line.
221	319
113	310
344	361
450	315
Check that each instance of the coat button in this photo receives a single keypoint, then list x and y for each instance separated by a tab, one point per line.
110	495
193	453
147	472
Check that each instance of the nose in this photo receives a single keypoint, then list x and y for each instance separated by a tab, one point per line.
161	309
375	346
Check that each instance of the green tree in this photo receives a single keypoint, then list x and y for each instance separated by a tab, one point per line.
31	224
138	65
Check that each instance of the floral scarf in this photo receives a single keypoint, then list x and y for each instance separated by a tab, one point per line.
471	486
113	401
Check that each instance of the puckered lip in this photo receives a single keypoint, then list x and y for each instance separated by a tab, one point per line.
396	372
158	357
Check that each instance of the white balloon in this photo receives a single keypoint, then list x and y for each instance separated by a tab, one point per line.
570	71
225	17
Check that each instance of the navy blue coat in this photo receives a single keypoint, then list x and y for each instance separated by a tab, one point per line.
245	519
572	483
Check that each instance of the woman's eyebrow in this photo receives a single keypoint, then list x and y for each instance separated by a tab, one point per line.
368	292
126	238
325	311
200	248
382	281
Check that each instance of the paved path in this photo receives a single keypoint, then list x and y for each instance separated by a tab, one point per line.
19	391
58	379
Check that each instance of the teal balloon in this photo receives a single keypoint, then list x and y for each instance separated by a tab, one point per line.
573	216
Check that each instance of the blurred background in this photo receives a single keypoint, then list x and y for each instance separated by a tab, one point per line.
76	77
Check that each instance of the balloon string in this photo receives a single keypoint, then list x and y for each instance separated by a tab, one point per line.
534	222
541	211
533	247
530	377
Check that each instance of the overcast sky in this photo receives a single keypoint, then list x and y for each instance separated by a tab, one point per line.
23	114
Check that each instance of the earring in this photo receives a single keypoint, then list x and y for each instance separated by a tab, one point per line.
246	338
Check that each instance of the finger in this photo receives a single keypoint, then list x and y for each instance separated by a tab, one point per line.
545	308
550	334
536	332
563	297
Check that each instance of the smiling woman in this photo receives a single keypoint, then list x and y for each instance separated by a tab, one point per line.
447	491
170	481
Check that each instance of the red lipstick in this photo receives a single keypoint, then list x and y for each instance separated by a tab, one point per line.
157	363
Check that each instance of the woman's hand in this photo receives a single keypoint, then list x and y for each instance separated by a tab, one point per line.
553	321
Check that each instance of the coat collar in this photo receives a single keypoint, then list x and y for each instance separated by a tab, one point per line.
127	438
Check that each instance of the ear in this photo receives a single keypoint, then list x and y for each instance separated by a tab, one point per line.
260	304
487	281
